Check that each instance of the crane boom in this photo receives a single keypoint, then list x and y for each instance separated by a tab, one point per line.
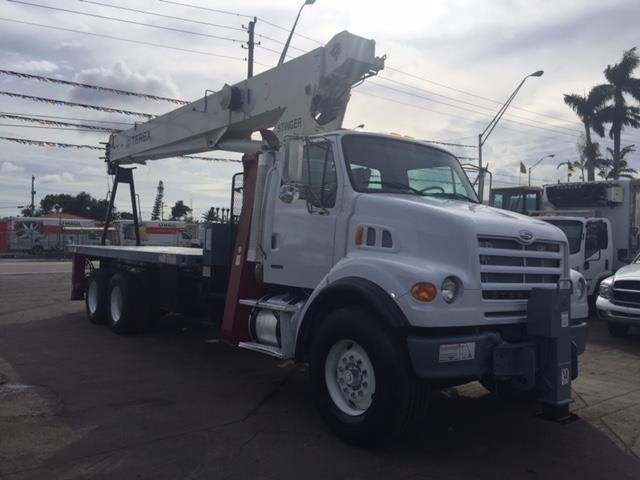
306	95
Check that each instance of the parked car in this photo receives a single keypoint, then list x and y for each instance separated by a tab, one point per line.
618	300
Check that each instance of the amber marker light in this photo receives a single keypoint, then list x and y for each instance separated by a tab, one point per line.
359	235
424	292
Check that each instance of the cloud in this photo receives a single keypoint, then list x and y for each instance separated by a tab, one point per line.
8	167
57	178
121	77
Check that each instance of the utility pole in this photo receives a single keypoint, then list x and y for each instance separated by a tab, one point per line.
250	46
32	208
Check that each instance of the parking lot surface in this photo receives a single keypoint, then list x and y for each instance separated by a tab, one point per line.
77	401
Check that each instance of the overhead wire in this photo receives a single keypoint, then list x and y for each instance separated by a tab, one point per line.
112	37
131	22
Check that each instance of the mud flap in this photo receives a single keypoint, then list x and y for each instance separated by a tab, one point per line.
549	329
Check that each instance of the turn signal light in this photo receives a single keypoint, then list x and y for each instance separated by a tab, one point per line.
359	235
424	292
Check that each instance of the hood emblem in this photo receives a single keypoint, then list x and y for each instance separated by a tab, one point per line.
526	236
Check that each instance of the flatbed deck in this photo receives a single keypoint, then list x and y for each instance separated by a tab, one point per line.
179	256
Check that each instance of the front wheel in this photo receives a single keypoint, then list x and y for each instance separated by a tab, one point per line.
362	380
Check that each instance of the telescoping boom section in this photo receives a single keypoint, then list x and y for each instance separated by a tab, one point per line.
306	95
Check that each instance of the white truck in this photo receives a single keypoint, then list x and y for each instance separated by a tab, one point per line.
173	233
367	256
601	220
618	301
40	234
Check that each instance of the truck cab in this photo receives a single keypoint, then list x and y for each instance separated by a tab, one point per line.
590	247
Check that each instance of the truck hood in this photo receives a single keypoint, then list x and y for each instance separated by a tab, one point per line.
628	272
470	218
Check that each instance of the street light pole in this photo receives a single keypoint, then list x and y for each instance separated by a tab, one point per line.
286	45
537	163
482	137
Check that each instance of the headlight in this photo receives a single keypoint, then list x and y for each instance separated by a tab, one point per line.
449	289
581	288
605	290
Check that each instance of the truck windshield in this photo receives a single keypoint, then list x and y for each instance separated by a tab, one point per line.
388	165
573	231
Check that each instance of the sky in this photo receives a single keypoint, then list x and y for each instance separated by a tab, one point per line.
450	66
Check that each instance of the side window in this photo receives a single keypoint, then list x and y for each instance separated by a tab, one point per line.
319	171
595	238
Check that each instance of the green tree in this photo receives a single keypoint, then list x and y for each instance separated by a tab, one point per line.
157	205
620	114
211	215
180	210
588	109
610	170
82	205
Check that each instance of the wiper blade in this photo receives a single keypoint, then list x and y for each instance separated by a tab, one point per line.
457	196
397	186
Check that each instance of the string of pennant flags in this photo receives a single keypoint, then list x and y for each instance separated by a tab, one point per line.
58	123
43	143
92	87
75	104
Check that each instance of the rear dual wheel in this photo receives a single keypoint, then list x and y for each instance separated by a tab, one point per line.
127	304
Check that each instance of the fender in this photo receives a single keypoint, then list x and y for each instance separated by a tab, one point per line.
349	291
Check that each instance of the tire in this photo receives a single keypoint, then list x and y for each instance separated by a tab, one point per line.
95	299
37	250
618	329
351	353
127	305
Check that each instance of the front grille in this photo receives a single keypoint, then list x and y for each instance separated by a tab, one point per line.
509	269
626	292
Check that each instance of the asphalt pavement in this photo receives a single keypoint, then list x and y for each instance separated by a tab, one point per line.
77	401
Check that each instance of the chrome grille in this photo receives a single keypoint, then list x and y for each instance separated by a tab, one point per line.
626	292
509	269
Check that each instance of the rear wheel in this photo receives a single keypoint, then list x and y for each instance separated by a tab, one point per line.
363	384
618	329
95	299
127	309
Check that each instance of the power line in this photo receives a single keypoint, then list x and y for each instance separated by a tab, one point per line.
459	101
75	104
111	37
92	87
131	22
146	12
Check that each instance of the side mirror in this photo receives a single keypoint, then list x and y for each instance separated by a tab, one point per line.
294	160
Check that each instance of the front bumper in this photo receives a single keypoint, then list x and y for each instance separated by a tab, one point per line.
611	312
468	357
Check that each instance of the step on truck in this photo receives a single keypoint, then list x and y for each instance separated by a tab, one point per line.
366	256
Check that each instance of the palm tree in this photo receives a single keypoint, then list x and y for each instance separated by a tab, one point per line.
571	166
608	170
588	110
179	210
620	114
